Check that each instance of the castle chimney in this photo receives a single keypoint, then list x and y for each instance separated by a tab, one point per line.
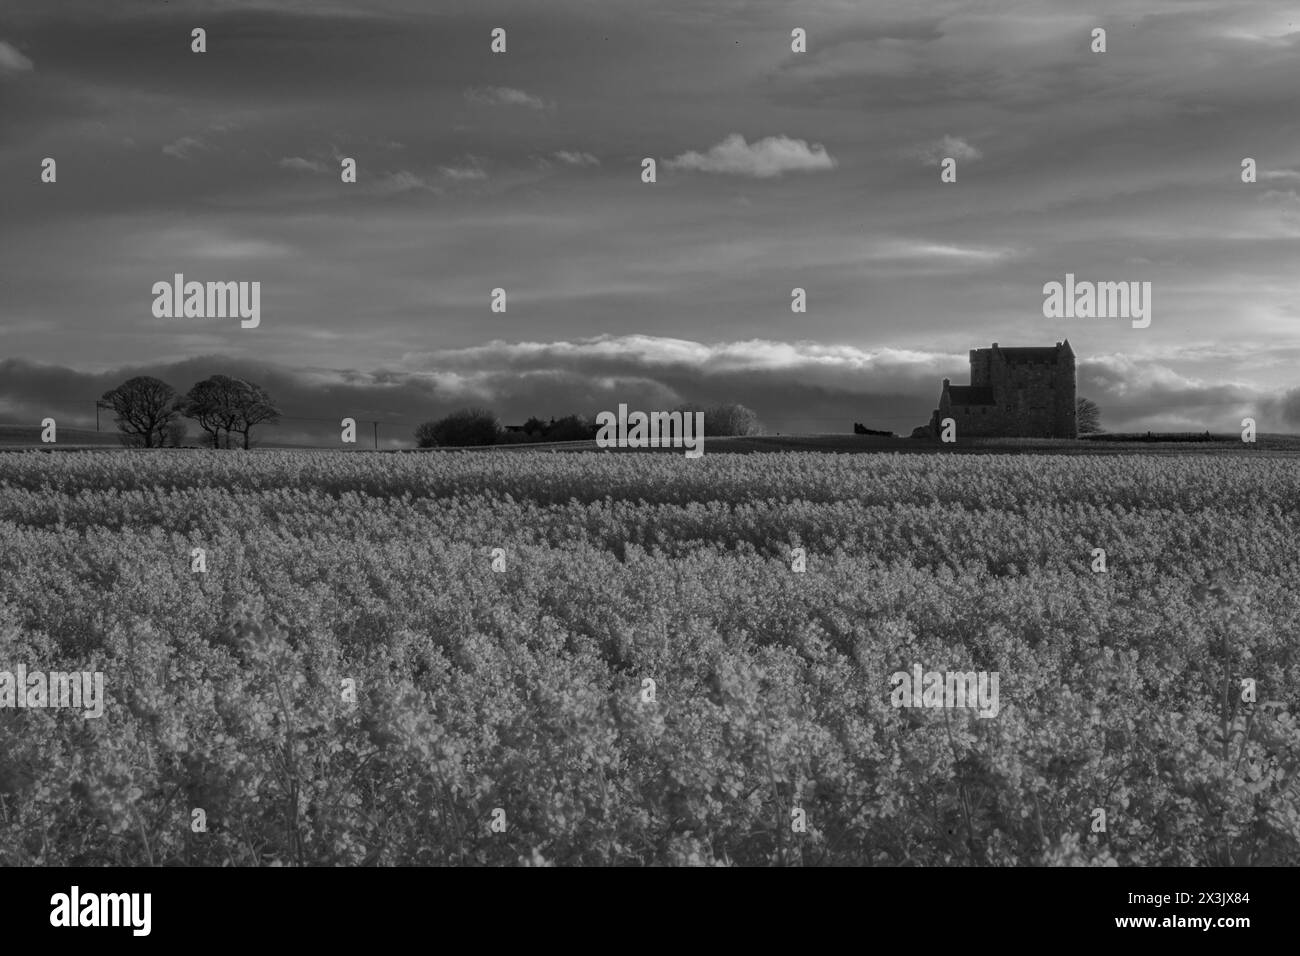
995	344
947	382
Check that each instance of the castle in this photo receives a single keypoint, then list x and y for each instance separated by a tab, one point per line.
1018	392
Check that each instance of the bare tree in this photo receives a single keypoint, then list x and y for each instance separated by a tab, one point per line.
731	419
253	407
145	408
216	403
725	419
1087	415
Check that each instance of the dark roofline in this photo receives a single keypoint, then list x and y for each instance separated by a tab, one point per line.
1018	355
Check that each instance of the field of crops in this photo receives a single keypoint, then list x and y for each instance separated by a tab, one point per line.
500	711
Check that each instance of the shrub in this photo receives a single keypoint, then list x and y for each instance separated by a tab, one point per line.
570	428
467	427
425	436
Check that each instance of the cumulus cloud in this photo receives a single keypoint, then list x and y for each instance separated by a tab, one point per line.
11	61
183	148
810	386
505	96
302	165
651	355
932	154
791	385
1139	394
763	159
649	351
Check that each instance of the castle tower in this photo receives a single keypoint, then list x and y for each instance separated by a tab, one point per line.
1067	412
1015	392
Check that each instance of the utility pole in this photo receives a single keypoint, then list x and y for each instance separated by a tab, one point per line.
376	424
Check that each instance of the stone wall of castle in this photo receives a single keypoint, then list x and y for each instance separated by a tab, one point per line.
1033	397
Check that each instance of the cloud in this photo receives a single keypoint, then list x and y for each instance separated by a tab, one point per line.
11	61
1280	174
1288	407
506	96
791	385
1286	204
903	250
401	181
810	386
762	159
794	386
1136	394
1278	41
183	148
206	242
576	159
256	249
932	154
302	165
609	353
462	173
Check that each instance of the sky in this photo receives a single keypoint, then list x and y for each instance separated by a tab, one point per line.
776	169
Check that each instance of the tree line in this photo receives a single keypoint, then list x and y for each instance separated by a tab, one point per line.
480	426
149	411
150	414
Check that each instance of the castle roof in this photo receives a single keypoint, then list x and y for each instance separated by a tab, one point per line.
970	395
1021	356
